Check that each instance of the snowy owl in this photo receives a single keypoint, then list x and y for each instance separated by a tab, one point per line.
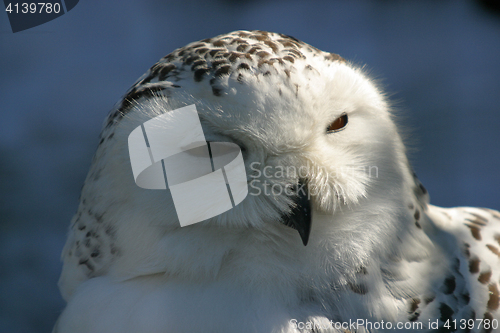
336	233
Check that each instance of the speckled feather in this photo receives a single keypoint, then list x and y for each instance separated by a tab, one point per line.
214	60
378	250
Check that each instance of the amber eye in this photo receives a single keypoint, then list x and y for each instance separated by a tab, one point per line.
337	124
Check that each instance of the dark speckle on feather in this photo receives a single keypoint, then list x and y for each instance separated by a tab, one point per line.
414	304
358	288
449	285
484	277
475	231
497	238
494	299
493	249
429	299
474	265
446	312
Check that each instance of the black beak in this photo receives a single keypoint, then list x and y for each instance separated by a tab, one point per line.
300	218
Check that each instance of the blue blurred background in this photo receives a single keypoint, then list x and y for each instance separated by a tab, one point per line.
439	60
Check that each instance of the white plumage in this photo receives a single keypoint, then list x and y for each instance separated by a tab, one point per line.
377	250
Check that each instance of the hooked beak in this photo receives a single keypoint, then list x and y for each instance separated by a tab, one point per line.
300	218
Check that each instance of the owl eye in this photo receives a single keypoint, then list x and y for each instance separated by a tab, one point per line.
337	124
